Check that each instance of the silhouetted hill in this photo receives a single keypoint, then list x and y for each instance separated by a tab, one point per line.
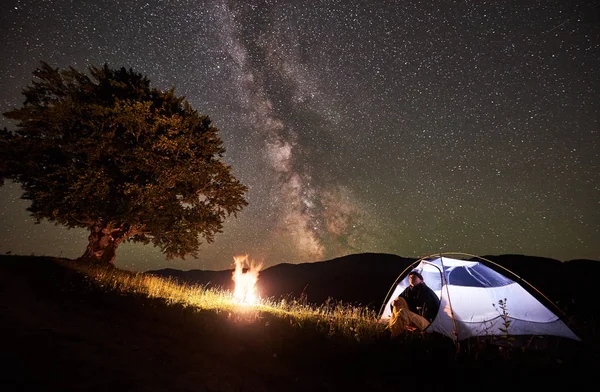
364	279
360	279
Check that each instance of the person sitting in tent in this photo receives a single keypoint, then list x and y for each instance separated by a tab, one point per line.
420	298
415	307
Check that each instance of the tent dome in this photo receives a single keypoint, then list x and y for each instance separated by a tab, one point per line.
476	300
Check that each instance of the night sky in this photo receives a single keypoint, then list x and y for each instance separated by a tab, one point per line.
404	127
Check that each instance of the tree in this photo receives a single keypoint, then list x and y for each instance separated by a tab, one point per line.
128	162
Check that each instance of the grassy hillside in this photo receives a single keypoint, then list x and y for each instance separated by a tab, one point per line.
69	328
364	280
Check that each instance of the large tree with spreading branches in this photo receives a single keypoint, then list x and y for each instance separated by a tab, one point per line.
106	152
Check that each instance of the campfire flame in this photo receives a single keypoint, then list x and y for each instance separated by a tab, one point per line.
245	277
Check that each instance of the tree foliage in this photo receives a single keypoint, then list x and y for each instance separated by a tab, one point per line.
108	153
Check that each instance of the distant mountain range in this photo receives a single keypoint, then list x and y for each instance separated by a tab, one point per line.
365	279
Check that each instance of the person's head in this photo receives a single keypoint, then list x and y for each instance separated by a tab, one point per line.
415	278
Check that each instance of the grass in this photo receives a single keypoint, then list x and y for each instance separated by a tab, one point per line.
333	318
73	326
337	319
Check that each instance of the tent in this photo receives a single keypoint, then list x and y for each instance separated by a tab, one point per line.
476	300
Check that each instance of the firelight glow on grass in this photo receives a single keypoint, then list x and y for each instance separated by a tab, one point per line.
357	323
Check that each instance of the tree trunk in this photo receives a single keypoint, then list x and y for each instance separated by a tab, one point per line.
103	241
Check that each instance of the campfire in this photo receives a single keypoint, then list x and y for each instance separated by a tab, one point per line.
245	277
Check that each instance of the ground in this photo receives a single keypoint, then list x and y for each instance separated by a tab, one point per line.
60	331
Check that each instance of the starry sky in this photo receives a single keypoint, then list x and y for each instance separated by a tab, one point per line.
404	127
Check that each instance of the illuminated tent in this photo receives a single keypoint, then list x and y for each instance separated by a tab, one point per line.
476	300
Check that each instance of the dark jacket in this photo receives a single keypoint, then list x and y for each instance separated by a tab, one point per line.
422	301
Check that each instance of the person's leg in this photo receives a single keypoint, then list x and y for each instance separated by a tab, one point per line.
417	321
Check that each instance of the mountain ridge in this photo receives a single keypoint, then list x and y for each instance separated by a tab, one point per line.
364	279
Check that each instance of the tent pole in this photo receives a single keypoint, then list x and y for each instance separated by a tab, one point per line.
518	277
445	283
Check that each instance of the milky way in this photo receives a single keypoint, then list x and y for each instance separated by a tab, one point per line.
399	127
